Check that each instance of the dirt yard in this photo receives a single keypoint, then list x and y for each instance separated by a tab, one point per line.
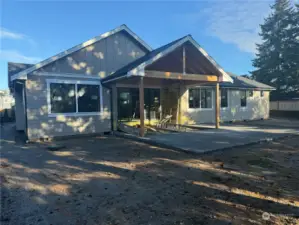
107	180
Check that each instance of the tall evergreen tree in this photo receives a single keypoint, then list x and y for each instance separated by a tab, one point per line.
277	60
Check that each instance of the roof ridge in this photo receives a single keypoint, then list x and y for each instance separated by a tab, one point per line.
170	43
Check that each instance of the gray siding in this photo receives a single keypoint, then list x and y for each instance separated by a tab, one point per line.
99	59
40	125
257	108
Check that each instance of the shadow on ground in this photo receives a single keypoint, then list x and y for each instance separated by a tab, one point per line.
108	180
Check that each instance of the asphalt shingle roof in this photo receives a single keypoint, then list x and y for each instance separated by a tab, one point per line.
243	82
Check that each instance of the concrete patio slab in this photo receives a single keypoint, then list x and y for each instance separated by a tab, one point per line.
208	140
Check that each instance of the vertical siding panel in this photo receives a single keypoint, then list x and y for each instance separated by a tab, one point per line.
102	57
41	125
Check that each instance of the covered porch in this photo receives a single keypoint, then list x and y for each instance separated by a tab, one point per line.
156	85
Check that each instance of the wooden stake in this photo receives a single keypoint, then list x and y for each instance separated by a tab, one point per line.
217	106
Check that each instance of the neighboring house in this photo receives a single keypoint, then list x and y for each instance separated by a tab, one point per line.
7	103
117	77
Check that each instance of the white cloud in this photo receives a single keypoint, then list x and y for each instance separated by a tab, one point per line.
235	22
15	56
4	33
8	34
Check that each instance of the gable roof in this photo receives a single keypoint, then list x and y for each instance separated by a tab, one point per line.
138	66
124	70
23	74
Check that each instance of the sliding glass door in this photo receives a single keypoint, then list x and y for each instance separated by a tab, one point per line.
128	104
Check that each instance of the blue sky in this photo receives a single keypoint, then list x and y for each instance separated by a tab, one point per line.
35	30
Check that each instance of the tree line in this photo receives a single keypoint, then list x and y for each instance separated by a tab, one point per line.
277	59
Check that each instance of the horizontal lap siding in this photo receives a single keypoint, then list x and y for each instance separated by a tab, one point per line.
40	125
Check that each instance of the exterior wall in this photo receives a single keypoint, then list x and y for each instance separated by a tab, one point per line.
99	59
40	125
195	116
257	108
19	108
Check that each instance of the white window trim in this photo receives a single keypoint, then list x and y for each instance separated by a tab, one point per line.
228	98
202	109
60	81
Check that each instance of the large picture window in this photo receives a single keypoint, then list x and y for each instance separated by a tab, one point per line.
243	98
73	98
224	98
63	98
200	98
88	98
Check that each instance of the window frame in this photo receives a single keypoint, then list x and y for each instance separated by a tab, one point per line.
262	93
227	91
199	90
250	93
243	107
75	82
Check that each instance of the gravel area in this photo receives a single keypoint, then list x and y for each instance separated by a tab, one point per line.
109	180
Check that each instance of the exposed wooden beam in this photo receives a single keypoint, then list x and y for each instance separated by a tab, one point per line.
217	106
180	76
141	106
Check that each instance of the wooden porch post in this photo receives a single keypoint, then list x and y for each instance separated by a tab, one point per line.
179	111
141	106
114	108
217	105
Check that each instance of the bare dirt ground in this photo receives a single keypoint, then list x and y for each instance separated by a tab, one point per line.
108	180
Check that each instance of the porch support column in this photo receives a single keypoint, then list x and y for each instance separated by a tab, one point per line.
179	110
114	108
217	105
141	106
184	60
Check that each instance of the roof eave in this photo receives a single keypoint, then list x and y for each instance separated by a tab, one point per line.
21	76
